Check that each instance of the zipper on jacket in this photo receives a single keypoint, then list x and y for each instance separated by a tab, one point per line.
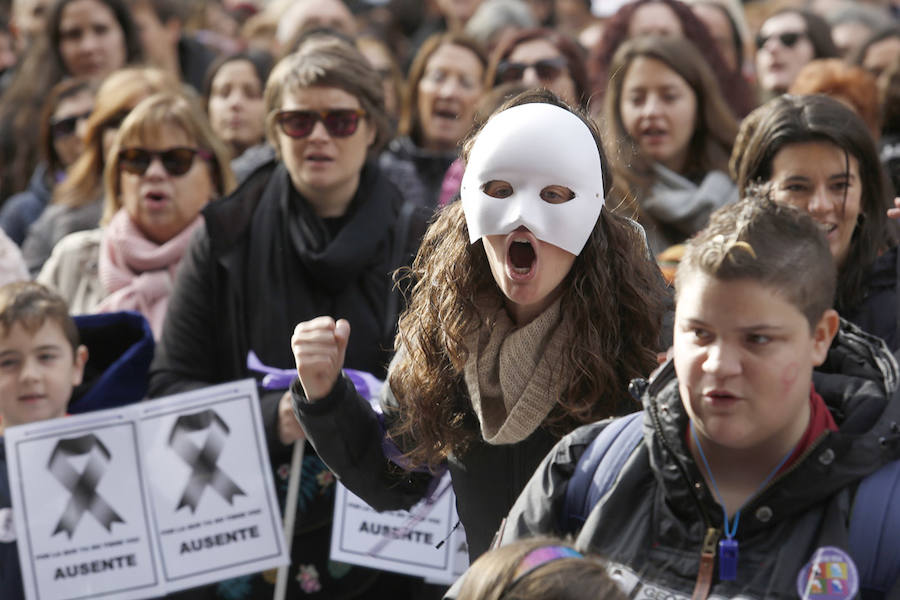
707	564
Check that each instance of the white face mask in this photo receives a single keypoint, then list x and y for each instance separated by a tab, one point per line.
530	147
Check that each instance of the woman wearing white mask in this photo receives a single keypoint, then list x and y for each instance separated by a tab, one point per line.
516	329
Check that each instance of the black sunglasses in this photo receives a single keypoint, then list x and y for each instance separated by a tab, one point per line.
547	69
339	122
787	39
61	128
176	161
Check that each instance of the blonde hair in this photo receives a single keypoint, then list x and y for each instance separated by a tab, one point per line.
119	93
145	121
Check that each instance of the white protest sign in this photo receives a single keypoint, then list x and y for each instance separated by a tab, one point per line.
146	499
80	508
399	541
208	470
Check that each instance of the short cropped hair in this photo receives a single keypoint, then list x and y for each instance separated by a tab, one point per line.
325	60
31	304
773	244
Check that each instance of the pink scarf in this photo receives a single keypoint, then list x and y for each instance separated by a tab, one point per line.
136	273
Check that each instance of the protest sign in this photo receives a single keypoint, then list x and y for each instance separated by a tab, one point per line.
146	499
421	541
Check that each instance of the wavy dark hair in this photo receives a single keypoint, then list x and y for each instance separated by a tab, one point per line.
714	127
614	294
788	120
732	85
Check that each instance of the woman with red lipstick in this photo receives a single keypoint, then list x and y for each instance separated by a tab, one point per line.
817	154
532	306
669	137
165	164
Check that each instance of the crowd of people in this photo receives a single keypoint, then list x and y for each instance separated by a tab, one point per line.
538	221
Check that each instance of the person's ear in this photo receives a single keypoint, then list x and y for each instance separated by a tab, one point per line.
81	358
823	334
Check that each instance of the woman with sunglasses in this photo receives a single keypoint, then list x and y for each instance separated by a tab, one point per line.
669	137
541	58
165	164
77	202
815	153
63	124
318	230
786	42
442	92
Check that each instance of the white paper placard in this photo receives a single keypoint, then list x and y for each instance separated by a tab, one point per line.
400	541
146	499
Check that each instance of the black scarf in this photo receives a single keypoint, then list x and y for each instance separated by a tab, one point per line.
298	270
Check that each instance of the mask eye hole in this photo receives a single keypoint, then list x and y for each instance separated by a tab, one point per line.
497	188
556	194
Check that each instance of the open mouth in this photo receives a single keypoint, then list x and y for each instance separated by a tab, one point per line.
444	113
827	228
318	158
720	396
155	197
521	256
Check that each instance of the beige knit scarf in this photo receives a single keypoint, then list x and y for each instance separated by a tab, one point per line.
514	376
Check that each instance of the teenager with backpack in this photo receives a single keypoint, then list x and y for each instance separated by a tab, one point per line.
742	477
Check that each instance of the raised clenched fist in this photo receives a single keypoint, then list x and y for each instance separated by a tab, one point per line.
319	347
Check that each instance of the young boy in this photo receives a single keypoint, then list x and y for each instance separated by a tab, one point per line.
743	479
41	361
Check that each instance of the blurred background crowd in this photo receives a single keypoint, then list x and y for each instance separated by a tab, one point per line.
229	169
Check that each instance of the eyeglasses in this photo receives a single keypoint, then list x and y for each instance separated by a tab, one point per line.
176	161
339	122
61	128
787	38
547	69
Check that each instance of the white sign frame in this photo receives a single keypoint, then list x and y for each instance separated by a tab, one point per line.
253	510
410	557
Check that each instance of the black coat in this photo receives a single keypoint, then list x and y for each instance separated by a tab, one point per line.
652	523
207	332
487	479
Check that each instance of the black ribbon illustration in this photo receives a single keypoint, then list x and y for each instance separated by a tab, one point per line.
202	461
84	485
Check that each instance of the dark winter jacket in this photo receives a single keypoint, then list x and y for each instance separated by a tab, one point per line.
262	263
652	525
417	172
879	311
486	479
24	208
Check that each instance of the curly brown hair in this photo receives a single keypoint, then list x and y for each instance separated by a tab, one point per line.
613	287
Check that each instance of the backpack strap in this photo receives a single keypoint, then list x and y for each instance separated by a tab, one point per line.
598	468
875	529
398	255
